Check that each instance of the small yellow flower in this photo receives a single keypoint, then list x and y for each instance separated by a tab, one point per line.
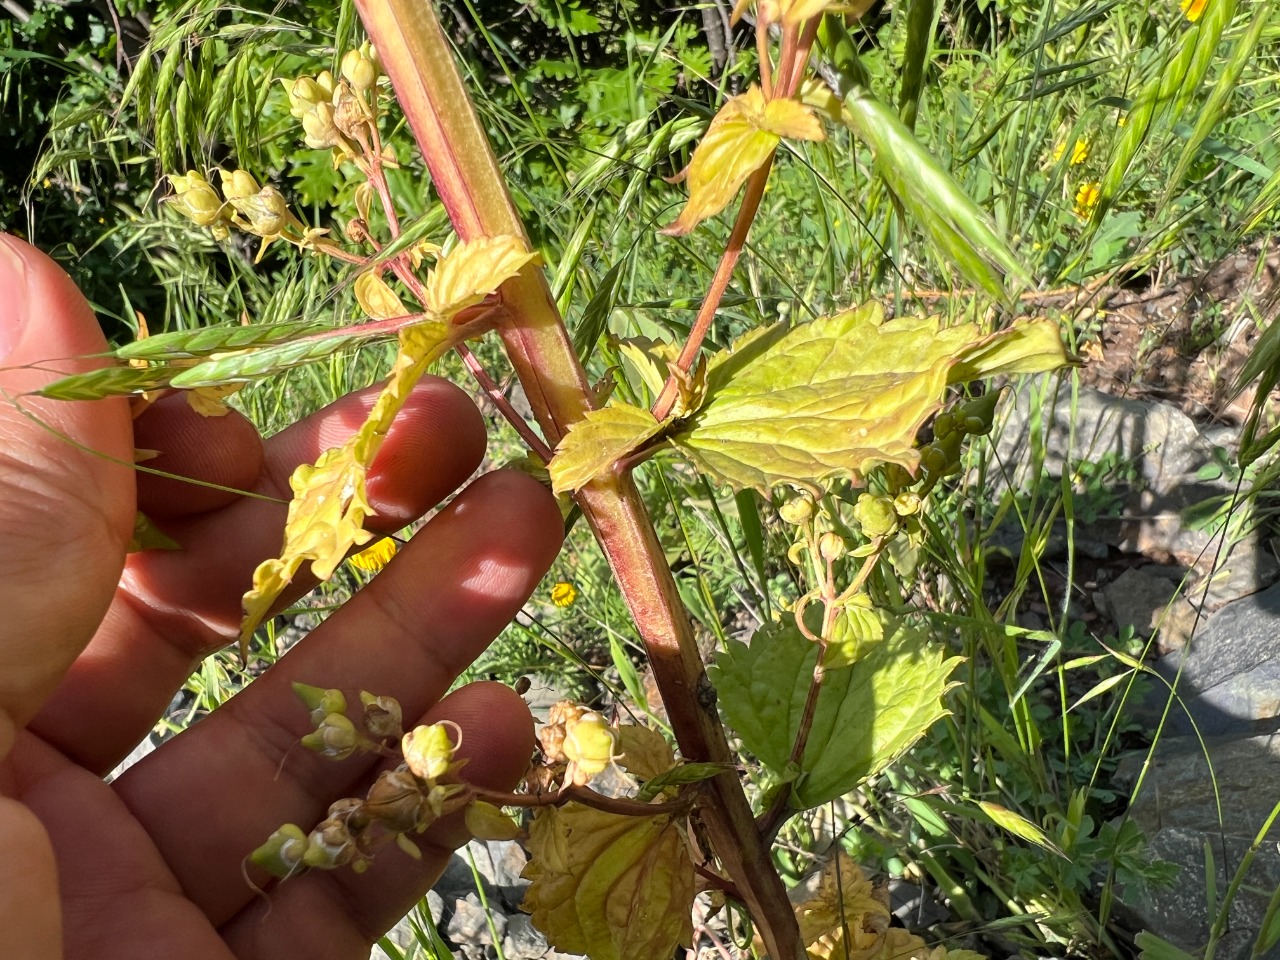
563	594
375	557
1194	9
1086	199
1079	152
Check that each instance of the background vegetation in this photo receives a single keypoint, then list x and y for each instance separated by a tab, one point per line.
593	105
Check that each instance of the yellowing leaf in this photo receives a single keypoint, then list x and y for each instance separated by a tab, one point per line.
471	271
846	913
612	887
208	401
830	399
596	442
376	298
329	506
739	140
643	752
1026	346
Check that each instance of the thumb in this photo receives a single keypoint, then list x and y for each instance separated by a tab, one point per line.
66	500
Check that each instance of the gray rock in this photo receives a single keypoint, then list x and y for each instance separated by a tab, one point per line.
1163	443
1230	671
473	927
523	941
1150	603
1178	811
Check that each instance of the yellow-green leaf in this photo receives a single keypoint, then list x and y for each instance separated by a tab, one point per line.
608	886
596	442
471	271
829	399
867	714
643	752
1026	346
376	298
739	140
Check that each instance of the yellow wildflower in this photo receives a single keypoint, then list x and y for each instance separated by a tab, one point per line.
1194	9
375	557
1086	199
1079	152
563	594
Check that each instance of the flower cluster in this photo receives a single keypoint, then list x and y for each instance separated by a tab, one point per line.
578	738
339	113
407	799
259	210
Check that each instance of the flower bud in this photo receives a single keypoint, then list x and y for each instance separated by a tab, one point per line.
907	503
589	745
980	414
350	116
319	128
335	738
831	546
238	184
330	845
382	716
428	751
282	854
875	515
796	511
319	701
266	212
304	94
359	69
944	424
196	199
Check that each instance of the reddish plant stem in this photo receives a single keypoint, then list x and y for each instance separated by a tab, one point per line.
762	54
719	284
622	806
499	399
465	172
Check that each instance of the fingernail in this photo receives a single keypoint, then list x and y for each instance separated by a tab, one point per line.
13	294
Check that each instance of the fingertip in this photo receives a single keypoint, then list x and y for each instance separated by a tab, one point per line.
226	451
62	327
497	732
497	742
438	433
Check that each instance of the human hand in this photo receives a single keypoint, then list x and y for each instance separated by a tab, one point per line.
94	644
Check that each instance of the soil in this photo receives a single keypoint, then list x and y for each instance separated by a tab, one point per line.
1184	340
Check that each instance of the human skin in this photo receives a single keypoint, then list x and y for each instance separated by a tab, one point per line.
94	642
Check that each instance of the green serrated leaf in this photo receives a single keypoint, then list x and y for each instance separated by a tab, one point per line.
867	715
595	443
831	398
